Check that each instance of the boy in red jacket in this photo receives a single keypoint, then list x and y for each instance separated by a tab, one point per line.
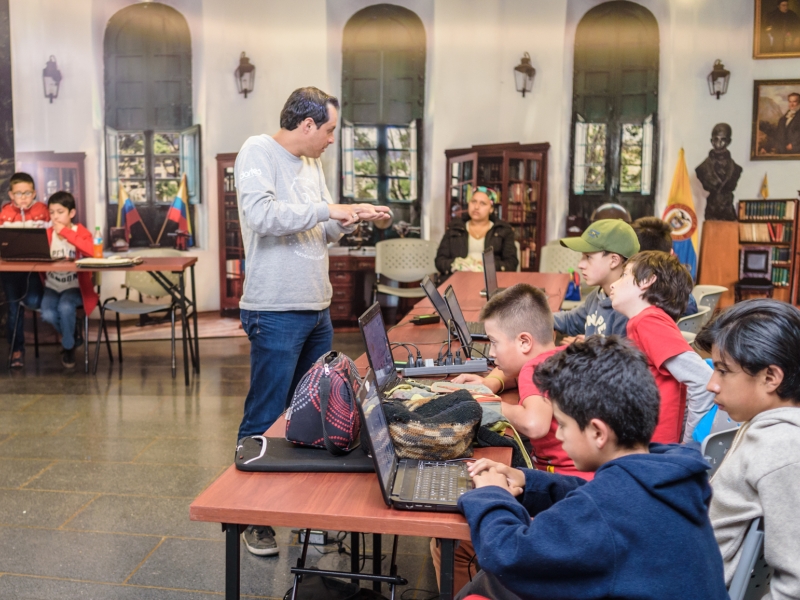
65	291
25	288
652	293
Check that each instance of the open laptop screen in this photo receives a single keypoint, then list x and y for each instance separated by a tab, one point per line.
458	317
378	351
378	432
436	299
489	272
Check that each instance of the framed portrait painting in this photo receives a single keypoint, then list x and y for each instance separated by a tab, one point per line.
776	120
777	29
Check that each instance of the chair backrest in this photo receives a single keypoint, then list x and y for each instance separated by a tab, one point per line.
694	323
715	446
405	259
143	282
751	578
555	258
708	295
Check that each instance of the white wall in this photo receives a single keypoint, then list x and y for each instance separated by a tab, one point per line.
472	47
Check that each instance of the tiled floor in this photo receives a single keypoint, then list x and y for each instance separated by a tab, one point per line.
97	473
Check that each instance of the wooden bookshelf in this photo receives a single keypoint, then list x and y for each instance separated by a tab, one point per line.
773	224
231	249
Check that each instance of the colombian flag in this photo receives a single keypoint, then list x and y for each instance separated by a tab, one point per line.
682	218
179	211
127	214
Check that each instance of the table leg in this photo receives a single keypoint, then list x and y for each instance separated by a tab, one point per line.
184	326
376	560
446	570
194	318
232	561
355	552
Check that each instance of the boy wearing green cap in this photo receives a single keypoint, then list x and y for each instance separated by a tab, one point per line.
605	246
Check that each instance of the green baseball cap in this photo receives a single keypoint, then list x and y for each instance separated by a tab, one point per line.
609	235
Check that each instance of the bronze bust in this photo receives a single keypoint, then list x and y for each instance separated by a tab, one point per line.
719	176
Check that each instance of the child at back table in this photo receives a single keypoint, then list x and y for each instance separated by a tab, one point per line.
604	247
652	294
65	291
755	346
639	529
21	288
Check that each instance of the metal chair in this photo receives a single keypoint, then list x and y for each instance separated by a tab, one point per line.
708	295
405	260
96	280
143	283
751	578
694	323
715	446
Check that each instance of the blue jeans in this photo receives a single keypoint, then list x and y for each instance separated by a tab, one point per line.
24	287
283	346
59	310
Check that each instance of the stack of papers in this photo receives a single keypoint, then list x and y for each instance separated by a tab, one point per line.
110	262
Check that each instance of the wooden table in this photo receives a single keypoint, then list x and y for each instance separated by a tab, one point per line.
353	501
342	501
156	266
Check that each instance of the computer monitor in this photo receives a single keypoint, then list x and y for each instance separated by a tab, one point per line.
755	263
379	351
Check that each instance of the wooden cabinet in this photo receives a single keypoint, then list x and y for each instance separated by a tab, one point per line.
231	248
519	174
351	279
57	171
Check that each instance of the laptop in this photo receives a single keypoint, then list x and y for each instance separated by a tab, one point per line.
29	244
490	275
407	484
475	328
379	352
461	326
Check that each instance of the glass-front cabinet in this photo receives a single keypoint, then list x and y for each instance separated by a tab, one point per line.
518	173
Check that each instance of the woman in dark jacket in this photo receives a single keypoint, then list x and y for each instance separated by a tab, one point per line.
469	238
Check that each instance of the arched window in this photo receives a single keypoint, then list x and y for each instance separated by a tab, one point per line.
615	103
383	99
150	141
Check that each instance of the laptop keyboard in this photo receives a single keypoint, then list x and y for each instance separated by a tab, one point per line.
440	481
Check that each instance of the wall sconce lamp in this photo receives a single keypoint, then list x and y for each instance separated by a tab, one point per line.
51	78
718	79
245	75
523	74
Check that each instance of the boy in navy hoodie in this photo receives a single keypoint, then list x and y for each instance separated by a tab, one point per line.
639	529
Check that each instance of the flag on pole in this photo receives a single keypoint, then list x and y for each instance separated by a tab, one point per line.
765	188
179	211
682	218
127	214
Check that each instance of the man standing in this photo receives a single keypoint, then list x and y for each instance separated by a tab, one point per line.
787	132
287	218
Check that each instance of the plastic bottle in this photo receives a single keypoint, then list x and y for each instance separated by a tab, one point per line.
98	243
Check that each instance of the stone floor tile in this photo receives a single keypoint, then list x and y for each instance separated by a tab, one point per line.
63	447
38	588
206	453
13	472
38	508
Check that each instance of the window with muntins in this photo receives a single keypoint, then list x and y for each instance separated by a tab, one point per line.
615	102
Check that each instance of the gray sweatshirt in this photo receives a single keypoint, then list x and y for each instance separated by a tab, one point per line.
595	316
284	215
760	476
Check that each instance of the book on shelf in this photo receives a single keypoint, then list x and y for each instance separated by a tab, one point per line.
234	269
766	210
781	254
780	276
765	232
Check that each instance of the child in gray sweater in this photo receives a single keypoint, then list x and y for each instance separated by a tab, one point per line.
755	346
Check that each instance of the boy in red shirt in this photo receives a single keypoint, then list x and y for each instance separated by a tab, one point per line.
652	293
519	325
65	291
25	288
